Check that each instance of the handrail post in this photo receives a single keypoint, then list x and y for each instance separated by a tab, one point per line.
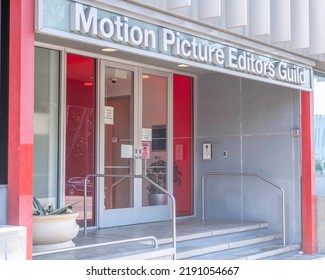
203	197
174	225
173	210
85	204
283	220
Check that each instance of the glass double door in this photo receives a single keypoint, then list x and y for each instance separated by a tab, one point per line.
135	138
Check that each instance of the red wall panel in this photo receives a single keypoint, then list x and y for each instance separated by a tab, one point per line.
21	116
309	241
183	143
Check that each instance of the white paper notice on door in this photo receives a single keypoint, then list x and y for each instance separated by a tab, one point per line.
109	115
146	134
126	151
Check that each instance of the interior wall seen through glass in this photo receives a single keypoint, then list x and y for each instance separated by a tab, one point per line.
119	96
154	120
80	134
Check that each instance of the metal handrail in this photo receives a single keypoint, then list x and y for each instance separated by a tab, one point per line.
245	175
152	238
122	179
114	185
134	177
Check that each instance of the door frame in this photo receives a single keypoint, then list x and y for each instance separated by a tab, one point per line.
150	213
137	214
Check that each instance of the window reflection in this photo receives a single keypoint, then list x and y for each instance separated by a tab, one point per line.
80	133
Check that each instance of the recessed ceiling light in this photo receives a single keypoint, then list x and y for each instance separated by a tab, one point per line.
182	65
109	50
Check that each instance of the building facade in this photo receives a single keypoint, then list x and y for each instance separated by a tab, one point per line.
173	90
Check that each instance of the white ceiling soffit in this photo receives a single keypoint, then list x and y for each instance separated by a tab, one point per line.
236	13
300	24
259	17
209	9
280	21
175	4
316	28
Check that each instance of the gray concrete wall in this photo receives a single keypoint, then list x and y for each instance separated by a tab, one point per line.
3	204
252	121
320	185
320	224
12	243
320	213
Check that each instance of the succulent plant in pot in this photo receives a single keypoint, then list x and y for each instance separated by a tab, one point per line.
42	210
53	228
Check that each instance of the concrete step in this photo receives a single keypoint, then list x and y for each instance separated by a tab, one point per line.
209	239
196	239
250	253
147	254
206	231
296	253
213	245
271	251
255	248
134	251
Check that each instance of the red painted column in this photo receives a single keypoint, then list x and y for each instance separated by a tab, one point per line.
309	240
21	116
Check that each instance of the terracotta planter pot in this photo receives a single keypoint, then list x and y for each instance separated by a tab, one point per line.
54	231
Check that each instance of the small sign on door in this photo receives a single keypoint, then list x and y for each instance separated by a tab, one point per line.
109	115
126	151
146	134
146	150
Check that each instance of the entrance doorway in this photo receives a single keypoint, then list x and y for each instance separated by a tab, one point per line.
136	138
140	123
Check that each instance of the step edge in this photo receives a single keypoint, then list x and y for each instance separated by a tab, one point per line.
272	252
227	246
165	252
216	232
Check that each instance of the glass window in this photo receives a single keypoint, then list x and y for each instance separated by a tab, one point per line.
183	145
80	133
154	119
119	97
46	125
319	131
319	111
